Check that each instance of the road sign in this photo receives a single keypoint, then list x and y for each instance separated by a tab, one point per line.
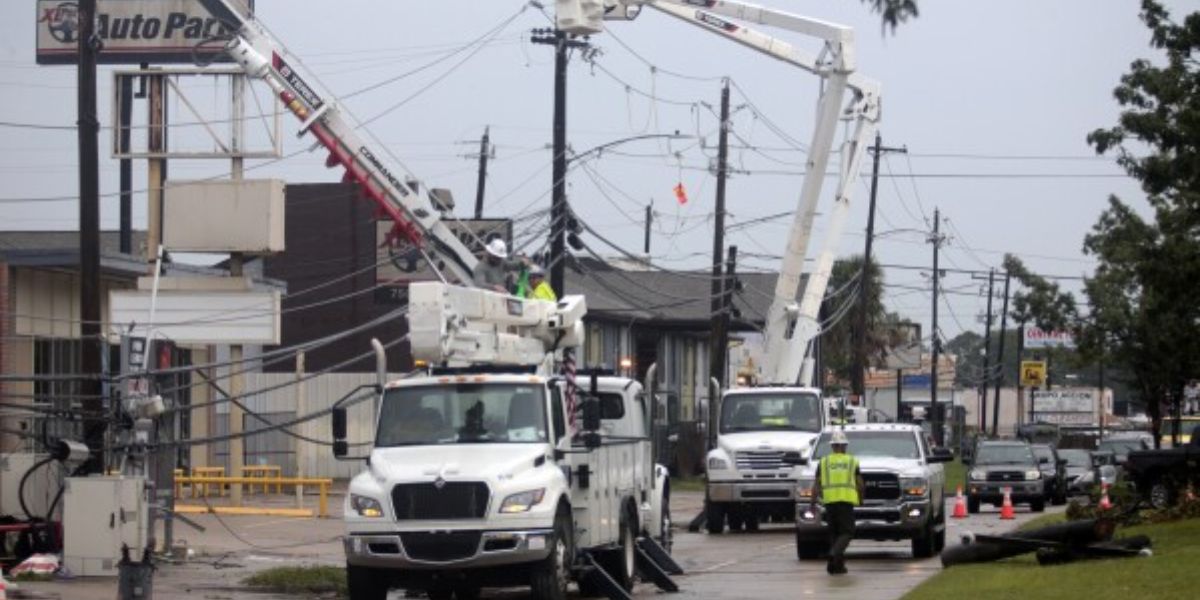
1033	373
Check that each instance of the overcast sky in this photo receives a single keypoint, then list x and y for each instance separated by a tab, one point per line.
992	99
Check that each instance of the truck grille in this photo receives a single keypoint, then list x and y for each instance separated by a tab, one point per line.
1006	476
881	486
760	460
452	500
441	546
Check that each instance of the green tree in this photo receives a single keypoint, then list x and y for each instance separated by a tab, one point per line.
1144	310
884	329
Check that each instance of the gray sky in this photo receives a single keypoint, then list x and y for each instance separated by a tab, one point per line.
993	100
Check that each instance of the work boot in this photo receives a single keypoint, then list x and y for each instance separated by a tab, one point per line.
837	566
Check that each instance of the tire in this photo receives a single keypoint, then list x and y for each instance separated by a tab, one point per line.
714	517
809	550
939	538
751	523
923	546
1038	506
466	592
666	537
440	594
972	505
620	563
551	577
366	584
734	517
1160	495
1060	498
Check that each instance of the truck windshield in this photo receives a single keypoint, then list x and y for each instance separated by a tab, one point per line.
464	413
1005	455
771	412
1076	458
892	444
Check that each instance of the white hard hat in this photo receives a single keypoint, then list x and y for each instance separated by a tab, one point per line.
497	248
838	438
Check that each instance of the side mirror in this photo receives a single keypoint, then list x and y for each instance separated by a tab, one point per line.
941	455
591	413
794	459
338	418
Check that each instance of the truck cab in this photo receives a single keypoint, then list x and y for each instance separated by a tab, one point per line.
749	481
478	480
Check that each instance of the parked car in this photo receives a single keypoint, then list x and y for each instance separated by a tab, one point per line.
1001	464
1054	473
1159	475
1079	466
1121	446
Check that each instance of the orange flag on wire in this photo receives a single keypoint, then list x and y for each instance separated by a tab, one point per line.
680	193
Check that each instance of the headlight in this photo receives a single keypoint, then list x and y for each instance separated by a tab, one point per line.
914	487
717	464
365	506
978	475
804	488
522	502
1032	475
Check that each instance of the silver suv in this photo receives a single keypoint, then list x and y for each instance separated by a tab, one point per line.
905	490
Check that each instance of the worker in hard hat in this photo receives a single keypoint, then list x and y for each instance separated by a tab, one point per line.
491	273
840	487
539	288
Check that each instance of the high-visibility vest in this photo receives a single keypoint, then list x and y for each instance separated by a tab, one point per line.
838	480
544	292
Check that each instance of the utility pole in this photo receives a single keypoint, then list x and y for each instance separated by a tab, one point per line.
1000	358
237	384
987	354
1020	387
718	344
857	375
935	413
649	223
558	204
485	148
126	177
89	237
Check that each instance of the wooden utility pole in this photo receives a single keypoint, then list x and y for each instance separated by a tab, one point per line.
987	355
485	148
719	342
935	413
89	238
1000	356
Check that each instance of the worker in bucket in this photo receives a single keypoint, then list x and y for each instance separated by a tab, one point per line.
840	488
492	271
539	289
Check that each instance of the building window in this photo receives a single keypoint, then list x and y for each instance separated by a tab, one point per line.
56	358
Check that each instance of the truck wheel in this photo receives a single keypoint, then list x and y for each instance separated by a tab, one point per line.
808	550
622	564
734	517
550	578
939	538
714	518
1161	495
923	546
972	505
1038	505
442	593
466	592
366	584
666	537
751	523
1060	498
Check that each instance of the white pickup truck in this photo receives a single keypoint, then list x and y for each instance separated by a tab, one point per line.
905	490
748	479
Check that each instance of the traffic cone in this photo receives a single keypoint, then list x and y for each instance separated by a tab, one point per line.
1006	509
960	505
1105	503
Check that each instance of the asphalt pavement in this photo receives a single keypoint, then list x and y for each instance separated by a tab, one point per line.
762	564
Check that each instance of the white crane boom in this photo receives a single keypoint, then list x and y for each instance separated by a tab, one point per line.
790	327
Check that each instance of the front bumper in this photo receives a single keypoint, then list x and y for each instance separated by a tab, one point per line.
496	548
765	490
993	491
894	521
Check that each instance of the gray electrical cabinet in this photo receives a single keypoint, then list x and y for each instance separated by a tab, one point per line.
101	514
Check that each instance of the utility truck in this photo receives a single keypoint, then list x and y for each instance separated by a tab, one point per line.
493	467
755	427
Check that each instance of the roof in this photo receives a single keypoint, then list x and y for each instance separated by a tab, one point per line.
680	298
110	241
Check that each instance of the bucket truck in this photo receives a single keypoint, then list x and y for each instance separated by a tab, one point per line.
750	476
492	468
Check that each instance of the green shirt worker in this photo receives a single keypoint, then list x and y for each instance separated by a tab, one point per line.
840	488
539	289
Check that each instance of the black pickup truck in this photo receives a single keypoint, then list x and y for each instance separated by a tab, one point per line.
1161	474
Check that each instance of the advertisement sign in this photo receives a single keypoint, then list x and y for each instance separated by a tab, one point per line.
1064	407
132	32
1033	373
1037	338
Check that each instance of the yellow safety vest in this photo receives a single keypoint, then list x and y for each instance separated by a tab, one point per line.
544	292
838	480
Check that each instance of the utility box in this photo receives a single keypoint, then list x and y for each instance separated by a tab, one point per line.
579	17
100	515
224	216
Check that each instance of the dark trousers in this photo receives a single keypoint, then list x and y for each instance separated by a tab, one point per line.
840	516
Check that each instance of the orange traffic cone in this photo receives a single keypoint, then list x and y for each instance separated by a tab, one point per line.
1006	509
1105	503
960	505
